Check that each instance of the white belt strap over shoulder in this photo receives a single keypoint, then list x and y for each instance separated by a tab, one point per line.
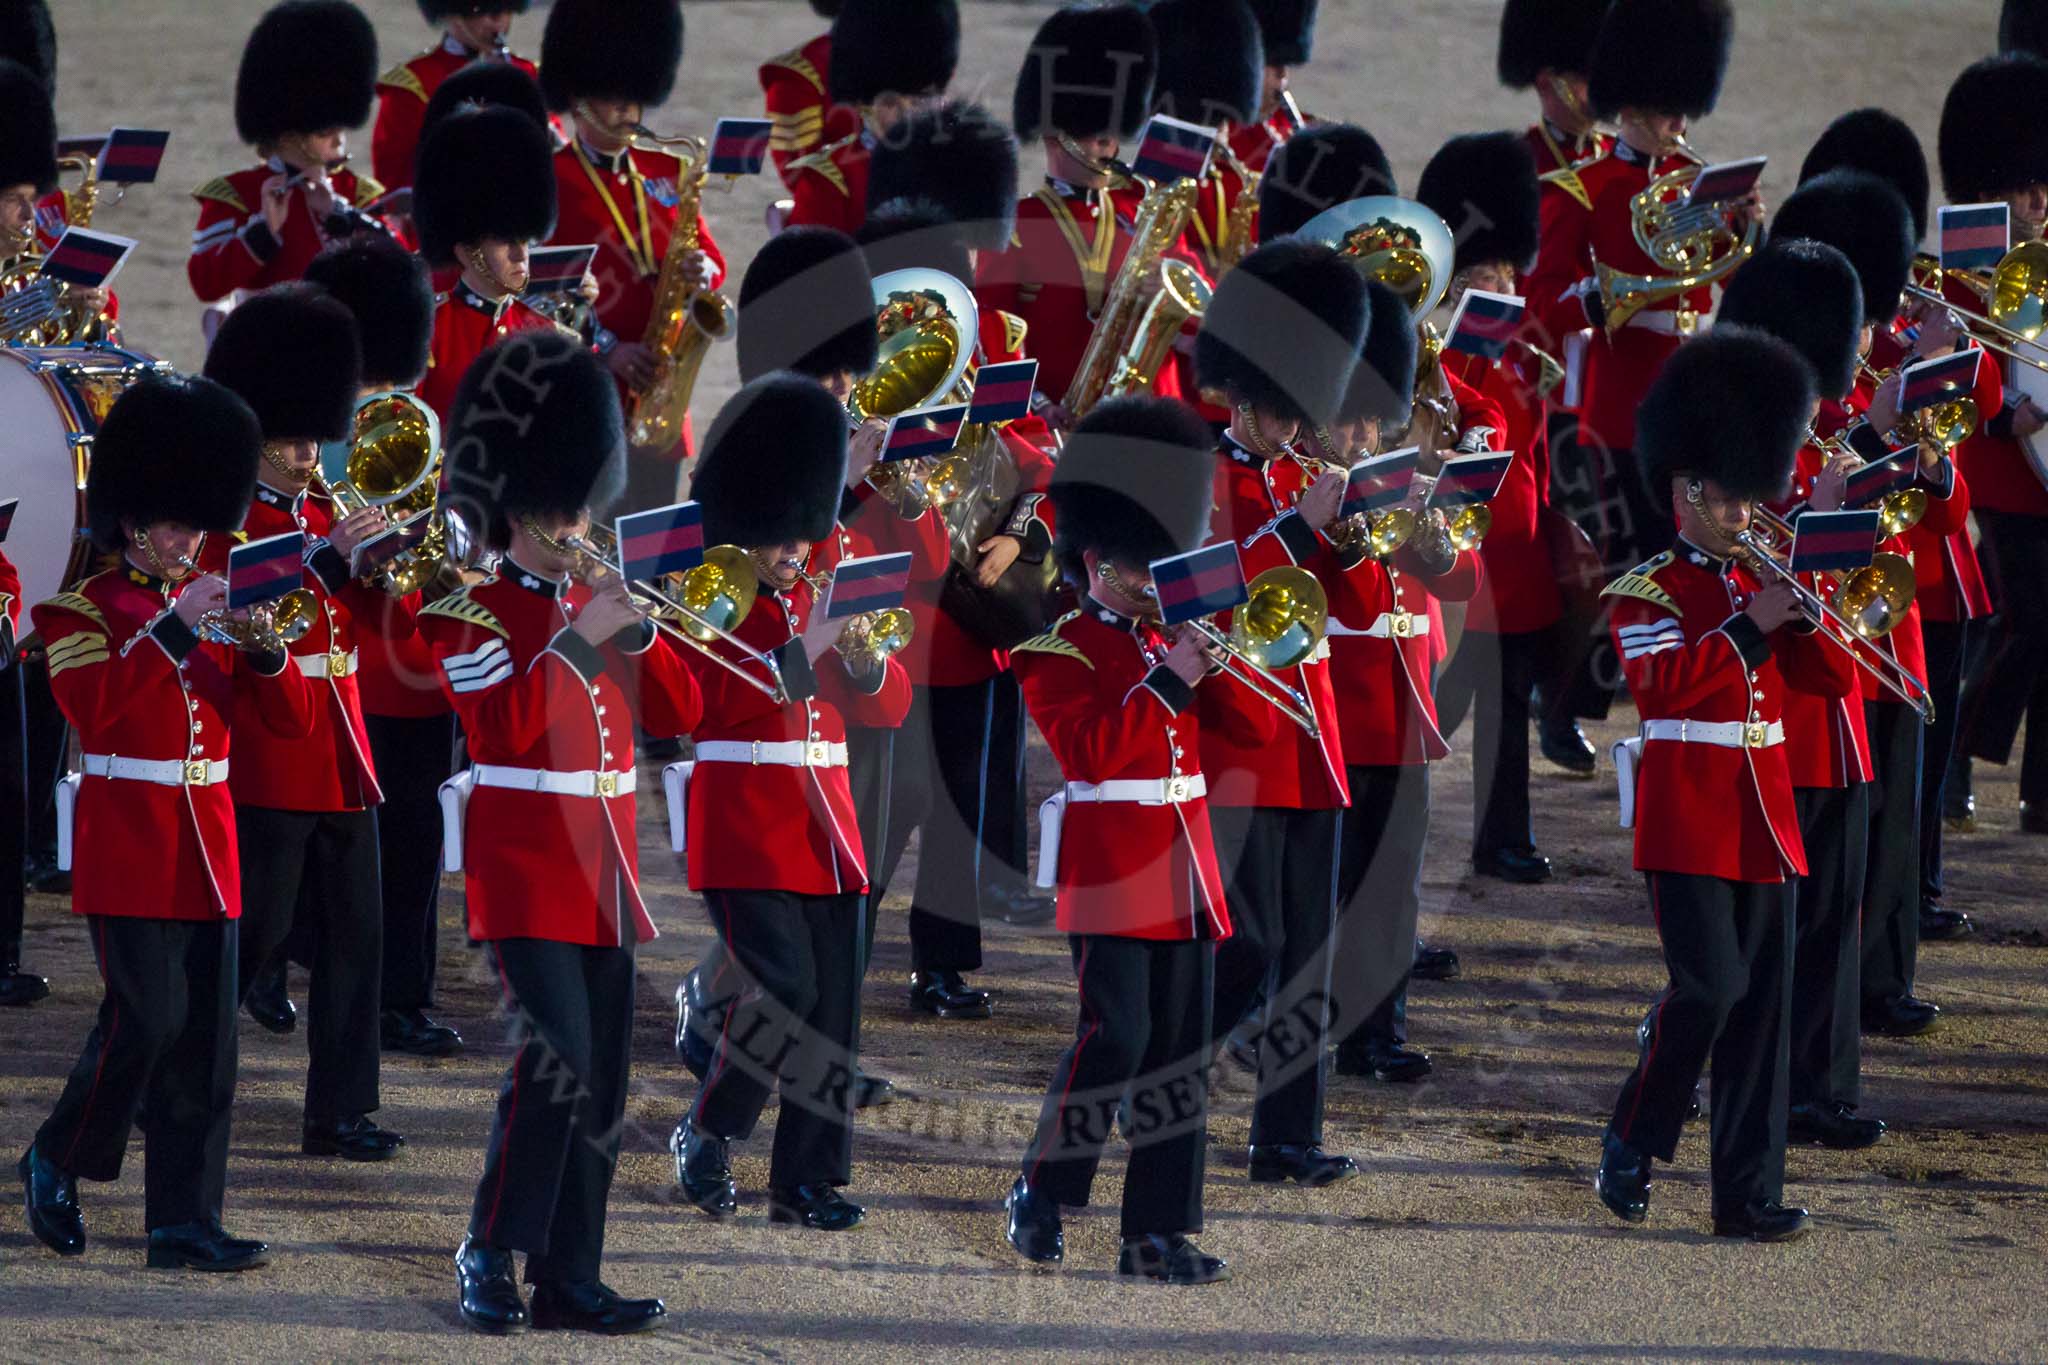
791	753
584	783
675	785
332	664
1628	753
1136	791
454	812
1390	625
164	772
1722	734
1681	323
67	812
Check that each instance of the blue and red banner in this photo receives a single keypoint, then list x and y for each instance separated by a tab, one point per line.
872	583
1725	182
1886	474
1471	479
1822	541
1975	236
924	433
1940	380
1199	583
1002	393
1170	149
1379	483
661	542
265	570
1484	324
739	146
558	269
387	545
131	156
86	258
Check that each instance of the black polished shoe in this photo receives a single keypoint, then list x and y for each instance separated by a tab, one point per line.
1388	1063
203	1246
19	988
821	1207
353	1138
1959	813
703	1170
1831	1125
592	1306
42	875
413	1033
1034	1227
2033	818
1305	1164
1904	1017
1940	925
1566	746
268	1003
1171	1259
947	995
1771	1222
1521	866
698	1022
1241	1045
1623	1181
1434	964
489	1289
872	1092
51	1198
1021	905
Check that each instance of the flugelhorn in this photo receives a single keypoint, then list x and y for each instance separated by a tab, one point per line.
392	460
868	637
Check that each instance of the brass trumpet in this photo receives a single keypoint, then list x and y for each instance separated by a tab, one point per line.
1373	534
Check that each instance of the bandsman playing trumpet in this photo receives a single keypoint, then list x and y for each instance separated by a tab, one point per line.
1288	34
155	700
473	31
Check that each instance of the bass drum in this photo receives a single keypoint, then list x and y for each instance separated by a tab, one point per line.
2032	382
52	401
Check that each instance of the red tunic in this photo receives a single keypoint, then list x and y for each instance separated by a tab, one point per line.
233	248
402	95
830	184
1556	317
1383	653
1254	143
466	324
1111	711
134	684
1949	581
795	87
533	694
1520	592
1827	743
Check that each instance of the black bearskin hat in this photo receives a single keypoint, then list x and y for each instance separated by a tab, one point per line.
1732	406
1993	140
1319	168
1484	187
611	49
28	130
1879	142
959	157
1862	217
1283	329
807	304
1212	61
483	173
2023	27
173	448
535	428
1383	385
914	234
291	353
490	85
390	293
774	464
435	11
1663	55
826	9
309	65
900	47
1540	35
1806	293
1090	71
1290	29
27	36
1133	483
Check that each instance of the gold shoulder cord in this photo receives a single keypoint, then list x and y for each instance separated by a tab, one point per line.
1094	257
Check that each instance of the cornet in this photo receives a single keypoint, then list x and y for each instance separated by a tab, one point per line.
269	628
869	637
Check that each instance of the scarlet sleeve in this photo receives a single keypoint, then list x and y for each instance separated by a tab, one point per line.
10	593
230	247
1668	675
397	137
1459	583
709	246
276	695
878	699
1562	260
1096	734
666	698
514	706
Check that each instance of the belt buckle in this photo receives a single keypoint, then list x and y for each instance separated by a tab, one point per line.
198	773
1686	320
818	755
1178	790
1755	735
607	784
337	664
1402	625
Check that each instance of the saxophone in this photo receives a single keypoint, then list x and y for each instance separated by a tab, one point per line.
1240	230
1150	301
686	320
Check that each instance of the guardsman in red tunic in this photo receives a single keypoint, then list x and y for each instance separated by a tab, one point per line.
1808	294
155	702
1140	897
33	208
307	808
1709	653
794	85
773	840
1280	341
486	194
474	30
890	58
306	79
1289	29
1211	60
1991	148
551	672
608	64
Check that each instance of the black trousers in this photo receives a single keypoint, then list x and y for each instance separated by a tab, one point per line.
889	771
1827	953
312	876
1141	1047
1496	674
2013	684
1379	898
13	809
555	1139
1728	948
414	756
1891	886
973	840
165	1039
793	967
1949	647
1280	880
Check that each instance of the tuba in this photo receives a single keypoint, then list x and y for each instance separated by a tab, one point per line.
929	325
1692	247
1149	302
686	320
392	460
35	309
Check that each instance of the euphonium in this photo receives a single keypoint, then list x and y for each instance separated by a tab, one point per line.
686	319
1692	247
929	325
392	460
1146	307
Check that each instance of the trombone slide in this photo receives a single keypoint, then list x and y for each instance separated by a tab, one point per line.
1263	683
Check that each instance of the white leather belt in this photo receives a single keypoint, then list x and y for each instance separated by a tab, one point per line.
332	664
164	772
1143	791
1391	625
1725	734
584	783
1683	323
788	753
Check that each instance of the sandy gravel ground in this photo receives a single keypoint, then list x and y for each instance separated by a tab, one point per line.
1472	1233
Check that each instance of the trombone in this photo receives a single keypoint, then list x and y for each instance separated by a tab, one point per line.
1280	625
2015	300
